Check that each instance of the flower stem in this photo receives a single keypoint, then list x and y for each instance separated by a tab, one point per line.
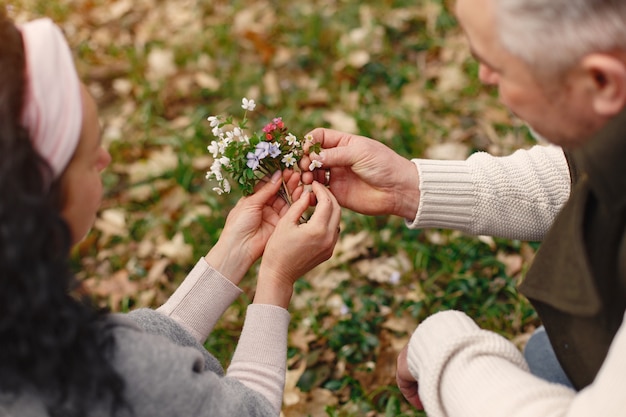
287	195
283	192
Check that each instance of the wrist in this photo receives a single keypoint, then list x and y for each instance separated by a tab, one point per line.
280	297
272	290
408	194
228	262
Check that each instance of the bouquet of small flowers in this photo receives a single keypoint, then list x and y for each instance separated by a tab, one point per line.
249	159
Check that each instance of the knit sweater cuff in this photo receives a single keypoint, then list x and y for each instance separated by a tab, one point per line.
446	195
201	300
434	333
260	359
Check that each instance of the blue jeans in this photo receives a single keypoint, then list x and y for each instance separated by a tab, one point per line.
542	359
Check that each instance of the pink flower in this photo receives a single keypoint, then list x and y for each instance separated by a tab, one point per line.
278	123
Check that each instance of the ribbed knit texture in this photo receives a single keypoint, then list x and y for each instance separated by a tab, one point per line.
261	353
516	196
463	371
189	304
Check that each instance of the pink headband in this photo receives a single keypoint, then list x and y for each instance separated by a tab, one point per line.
53	107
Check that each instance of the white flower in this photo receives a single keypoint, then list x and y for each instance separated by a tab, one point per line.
218	190
216	170
225	161
214	148
217	131
248	104
308	138
214	121
394	278
292	140
226	186
288	159
315	164
237	132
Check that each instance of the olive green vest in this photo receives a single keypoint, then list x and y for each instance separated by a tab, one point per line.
577	282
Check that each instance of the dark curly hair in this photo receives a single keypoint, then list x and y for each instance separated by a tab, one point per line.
51	342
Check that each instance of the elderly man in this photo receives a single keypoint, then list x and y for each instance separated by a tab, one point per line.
560	65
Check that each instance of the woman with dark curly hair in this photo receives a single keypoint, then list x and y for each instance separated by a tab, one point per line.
59	355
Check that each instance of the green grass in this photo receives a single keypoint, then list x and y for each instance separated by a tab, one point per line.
294	59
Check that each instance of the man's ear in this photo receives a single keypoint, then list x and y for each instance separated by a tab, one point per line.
606	74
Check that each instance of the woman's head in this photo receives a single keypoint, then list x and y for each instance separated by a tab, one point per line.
62	120
80	183
50	341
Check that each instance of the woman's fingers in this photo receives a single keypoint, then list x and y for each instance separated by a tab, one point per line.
327	210
263	194
297	209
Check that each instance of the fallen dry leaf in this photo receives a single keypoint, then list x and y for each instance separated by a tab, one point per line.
176	249
115	288
340	120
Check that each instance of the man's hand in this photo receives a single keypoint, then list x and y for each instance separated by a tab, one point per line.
406	381
365	175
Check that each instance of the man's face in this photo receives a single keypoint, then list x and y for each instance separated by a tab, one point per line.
560	111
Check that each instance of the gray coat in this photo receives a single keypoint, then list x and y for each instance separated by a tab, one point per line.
167	373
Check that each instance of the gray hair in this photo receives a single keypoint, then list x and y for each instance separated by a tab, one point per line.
552	35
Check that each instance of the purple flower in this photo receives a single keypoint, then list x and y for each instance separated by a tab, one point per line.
262	150
274	150
253	160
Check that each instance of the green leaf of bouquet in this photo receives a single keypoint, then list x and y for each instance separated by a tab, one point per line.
316	148
248	191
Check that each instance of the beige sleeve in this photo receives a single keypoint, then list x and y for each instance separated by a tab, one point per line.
260	360
200	300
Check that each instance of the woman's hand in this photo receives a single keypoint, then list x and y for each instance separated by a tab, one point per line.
248	227
294	248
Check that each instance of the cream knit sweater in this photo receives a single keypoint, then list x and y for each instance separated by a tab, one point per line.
461	369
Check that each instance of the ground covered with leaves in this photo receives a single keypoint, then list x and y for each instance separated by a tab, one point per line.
398	71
